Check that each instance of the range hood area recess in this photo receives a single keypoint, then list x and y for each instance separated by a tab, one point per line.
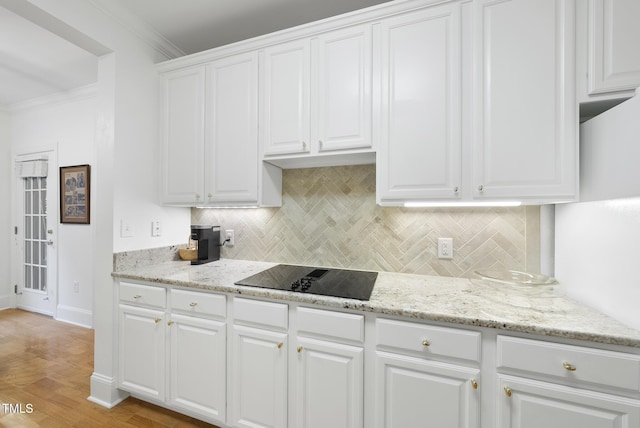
322	160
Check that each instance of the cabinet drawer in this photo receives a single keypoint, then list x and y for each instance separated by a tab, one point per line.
198	303
332	324
570	363
145	295
428	340
263	313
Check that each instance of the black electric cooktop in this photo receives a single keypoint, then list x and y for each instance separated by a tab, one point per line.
350	284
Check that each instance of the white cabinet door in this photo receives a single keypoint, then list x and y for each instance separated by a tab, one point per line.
330	385
183	94
344	72
525	120
142	351
258	378
419	155
232	126
525	403
285	93
414	393
198	366
614	56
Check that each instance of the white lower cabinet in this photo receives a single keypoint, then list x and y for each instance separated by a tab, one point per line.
258	378
198	366
142	351
526	403
329	390
345	369
412	389
175	356
416	393
553	385
329	369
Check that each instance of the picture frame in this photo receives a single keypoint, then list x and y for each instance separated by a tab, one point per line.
75	194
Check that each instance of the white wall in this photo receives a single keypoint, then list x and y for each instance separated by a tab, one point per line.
135	148
127	169
6	289
137	164
598	254
69	125
597	249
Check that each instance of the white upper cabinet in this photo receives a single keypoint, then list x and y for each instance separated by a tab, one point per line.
285	98
210	136
458	101
614	55
344	89
183	93
525	121
419	153
232	127
501	127
316	98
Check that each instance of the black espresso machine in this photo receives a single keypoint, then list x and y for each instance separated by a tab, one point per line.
208	238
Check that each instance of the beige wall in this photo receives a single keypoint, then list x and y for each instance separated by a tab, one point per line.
329	218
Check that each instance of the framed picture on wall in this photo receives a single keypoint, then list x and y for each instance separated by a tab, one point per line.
75	194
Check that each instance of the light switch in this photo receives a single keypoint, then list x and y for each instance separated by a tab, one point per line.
126	230
155	228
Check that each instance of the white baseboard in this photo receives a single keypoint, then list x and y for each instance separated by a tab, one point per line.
104	391
7	301
80	317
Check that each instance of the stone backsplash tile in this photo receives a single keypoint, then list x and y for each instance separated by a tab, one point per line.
329	217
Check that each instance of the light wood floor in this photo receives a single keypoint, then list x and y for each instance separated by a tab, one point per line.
47	364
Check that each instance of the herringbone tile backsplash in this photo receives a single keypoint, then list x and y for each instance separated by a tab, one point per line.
329	217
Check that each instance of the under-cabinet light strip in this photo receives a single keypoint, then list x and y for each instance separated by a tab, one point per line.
462	204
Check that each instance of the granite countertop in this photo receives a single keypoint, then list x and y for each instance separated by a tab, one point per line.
443	299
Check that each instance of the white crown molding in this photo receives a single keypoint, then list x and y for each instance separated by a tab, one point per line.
76	94
138	27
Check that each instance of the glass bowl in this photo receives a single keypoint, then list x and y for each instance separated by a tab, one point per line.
517	283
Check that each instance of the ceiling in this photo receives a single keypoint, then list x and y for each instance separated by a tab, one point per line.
35	62
197	25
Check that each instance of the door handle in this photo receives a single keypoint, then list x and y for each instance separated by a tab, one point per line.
49	242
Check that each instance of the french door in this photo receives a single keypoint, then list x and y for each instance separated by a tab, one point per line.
36	224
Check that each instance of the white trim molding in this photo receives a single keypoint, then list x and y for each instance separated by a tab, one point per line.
104	391
75	94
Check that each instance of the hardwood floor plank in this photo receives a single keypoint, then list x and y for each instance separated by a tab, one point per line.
47	364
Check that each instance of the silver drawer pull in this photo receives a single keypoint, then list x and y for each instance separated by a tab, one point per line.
193	304
568	366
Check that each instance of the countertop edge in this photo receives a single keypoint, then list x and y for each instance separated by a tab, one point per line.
364	306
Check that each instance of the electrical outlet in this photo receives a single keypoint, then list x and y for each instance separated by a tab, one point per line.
76	287
445	248
229	237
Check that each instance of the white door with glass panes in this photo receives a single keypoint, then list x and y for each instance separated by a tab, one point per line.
35	232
